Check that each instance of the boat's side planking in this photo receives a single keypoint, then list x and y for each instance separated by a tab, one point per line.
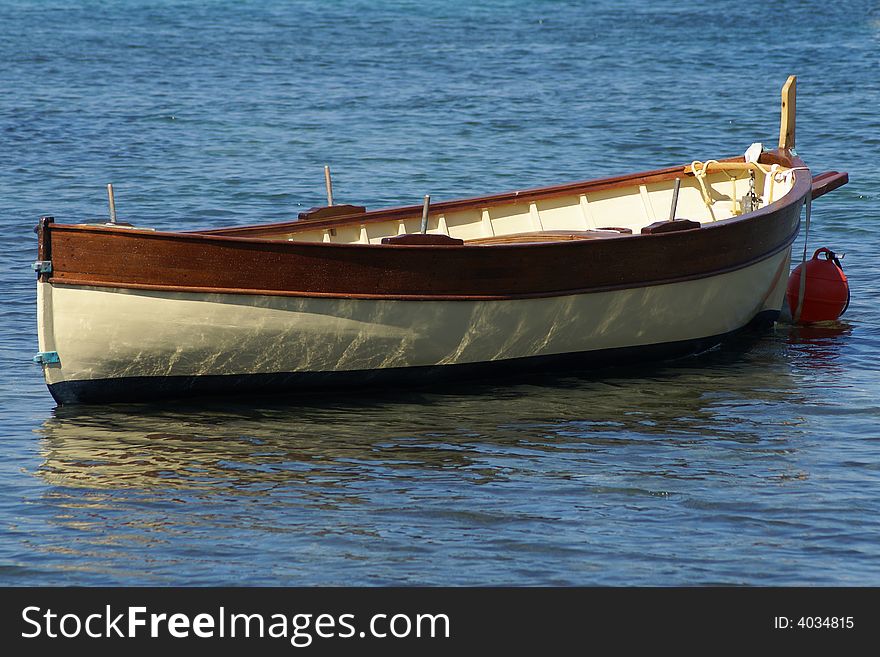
113	257
128	344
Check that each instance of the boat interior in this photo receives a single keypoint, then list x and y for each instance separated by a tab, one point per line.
703	192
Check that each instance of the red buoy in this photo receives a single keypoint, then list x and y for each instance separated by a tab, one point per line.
826	292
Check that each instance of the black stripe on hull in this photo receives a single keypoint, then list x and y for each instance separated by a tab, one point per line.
146	388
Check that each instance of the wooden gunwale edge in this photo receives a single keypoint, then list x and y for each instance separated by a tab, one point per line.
73	282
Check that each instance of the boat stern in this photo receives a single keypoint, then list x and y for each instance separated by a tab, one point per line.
47	356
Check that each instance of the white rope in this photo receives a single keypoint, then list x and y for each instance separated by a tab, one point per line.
700	174
701	170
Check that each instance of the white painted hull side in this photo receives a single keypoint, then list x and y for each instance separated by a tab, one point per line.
110	333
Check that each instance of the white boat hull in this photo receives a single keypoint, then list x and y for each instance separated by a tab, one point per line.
125	343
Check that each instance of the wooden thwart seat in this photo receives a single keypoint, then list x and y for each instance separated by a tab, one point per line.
331	211
422	239
552	236
674	226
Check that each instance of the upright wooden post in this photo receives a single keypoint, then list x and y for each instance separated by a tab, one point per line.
789	110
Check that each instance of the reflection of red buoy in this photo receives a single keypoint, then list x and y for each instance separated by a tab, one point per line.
826	292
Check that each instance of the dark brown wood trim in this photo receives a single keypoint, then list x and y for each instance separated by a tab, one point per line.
112	257
562	268
828	182
428	239
44	243
675	226
419	297
332	211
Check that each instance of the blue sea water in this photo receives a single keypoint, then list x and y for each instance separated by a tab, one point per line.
758	463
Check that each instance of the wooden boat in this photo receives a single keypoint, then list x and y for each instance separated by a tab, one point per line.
574	274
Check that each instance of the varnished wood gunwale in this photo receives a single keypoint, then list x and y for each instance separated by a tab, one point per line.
423	297
108	257
828	181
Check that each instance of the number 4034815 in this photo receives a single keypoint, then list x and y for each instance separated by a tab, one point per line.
814	622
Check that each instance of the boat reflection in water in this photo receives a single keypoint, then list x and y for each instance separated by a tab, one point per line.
480	432
434	487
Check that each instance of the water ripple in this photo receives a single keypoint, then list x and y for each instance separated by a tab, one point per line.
753	464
